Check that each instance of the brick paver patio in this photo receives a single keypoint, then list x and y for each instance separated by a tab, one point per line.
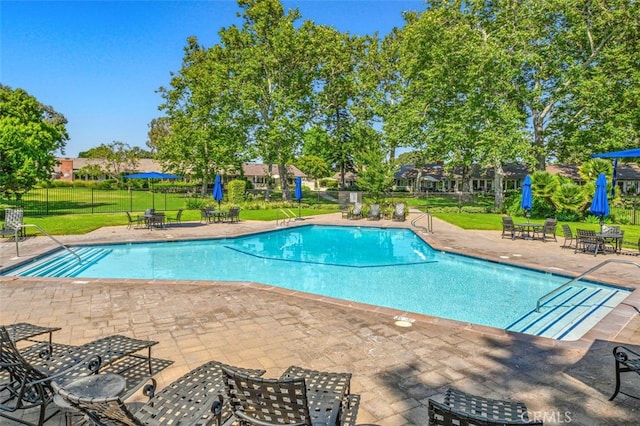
395	369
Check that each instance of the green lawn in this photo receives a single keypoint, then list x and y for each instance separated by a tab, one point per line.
82	223
488	221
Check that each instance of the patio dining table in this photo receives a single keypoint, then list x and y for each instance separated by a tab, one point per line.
613	238
154	220
528	230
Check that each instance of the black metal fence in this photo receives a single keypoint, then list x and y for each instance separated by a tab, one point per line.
67	200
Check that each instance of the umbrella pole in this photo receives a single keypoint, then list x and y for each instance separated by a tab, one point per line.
299	212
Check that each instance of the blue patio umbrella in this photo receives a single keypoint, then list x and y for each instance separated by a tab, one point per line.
527	198
298	195
600	204
152	175
217	190
627	153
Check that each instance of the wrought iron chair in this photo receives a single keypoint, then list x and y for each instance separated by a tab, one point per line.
25	386
627	361
195	398
568	236
547	231
135	222
300	396
177	219
460	408
233	215
509	228
587	241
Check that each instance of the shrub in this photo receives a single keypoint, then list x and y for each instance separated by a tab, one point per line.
196	203
236	190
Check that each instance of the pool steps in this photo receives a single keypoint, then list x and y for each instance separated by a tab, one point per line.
63	266
569	314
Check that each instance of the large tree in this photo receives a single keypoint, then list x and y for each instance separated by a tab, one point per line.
459	101
115	159
273	79
30	134
204	130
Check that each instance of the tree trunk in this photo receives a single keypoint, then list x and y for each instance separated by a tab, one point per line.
416	189
498	177
267	194
284	182
538	140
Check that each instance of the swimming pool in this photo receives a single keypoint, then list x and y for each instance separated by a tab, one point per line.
380	266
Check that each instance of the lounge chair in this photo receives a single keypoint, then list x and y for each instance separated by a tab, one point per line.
177	219
627	361
460	408
374	212
299	396
356	212
13	222
26	387
568	236
192	399
509	229
110	349
233	215
547	231
400	212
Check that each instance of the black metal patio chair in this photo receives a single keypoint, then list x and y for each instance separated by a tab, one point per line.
176	219
300	396
23	386
627	361
568	236
547	231
509	229
464	409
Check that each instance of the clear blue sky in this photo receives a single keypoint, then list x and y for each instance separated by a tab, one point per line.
100	62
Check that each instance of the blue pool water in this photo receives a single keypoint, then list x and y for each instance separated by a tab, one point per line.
384	267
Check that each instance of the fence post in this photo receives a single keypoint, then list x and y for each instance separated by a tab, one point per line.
92	200
46	208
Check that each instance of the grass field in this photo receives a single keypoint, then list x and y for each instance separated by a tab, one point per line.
67	211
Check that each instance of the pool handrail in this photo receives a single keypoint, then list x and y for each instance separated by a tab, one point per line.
429	227
25	225
584	274
285	219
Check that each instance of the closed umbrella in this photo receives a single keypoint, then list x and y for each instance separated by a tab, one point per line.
527	198
600	204
217	191
298	195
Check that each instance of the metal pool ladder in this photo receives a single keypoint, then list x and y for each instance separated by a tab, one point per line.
25	225
584	274
429	227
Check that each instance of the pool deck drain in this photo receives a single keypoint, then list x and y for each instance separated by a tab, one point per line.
395	369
